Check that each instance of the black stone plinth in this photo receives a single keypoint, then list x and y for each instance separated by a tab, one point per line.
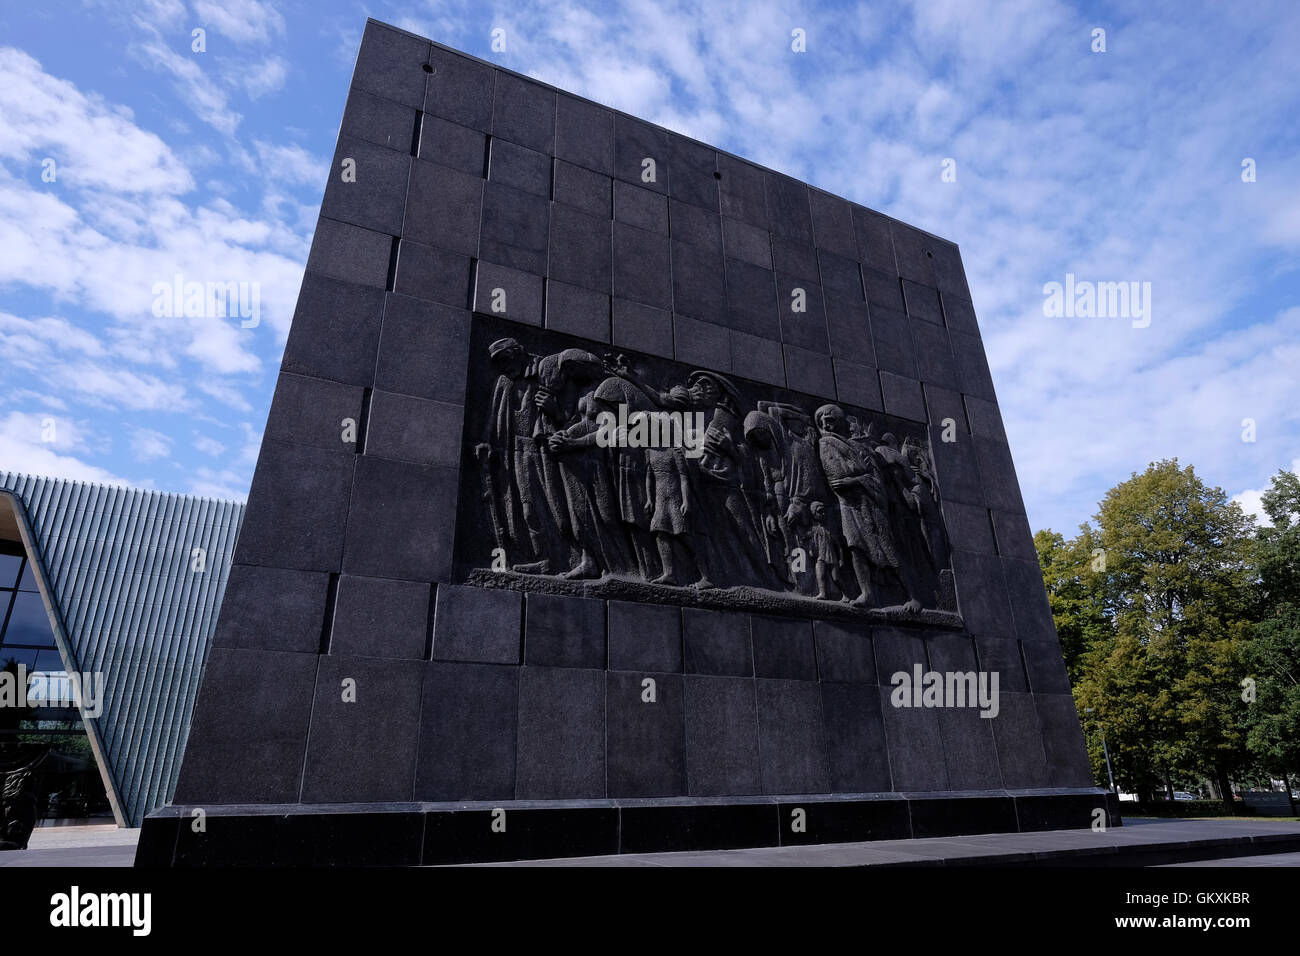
432	834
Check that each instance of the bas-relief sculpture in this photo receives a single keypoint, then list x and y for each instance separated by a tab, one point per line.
624	476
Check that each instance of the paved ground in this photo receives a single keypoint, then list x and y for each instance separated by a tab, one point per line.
985	849
110	846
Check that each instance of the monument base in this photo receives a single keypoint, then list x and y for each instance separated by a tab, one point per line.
429	834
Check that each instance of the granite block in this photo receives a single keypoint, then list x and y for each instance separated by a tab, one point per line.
751	299
312	411
249	729
577	311
335	331
922	302
378	120
916	757
358	256
480	625
833	226
642	268
373	195
701	343
1019	737
914	253
699	287
520	168
1033	615
398	524
581	249
796	259
809	372
757	358
456	147
857	755
982	594
469	719
501	290
747	243
643	328
892	336
391	64
443	207
717	643
640	153
523	112
273	609
639	207
850	331
584	134
695	226
791	737
840	276
297	507
721	736
803	314
1014	538
564	631
405	428
875	241
902	396
783	648
427	272
788	212
645	735
516	226
424	350
883	290
691	174
858	385
934	359
644	637
561	751
844	653
972	366
1002	655
365	723
460	90
376	617
583	189
741	191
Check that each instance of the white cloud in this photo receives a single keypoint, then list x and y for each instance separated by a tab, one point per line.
91	143
1252	501
22	449
244	21
148	445
208	445
265	77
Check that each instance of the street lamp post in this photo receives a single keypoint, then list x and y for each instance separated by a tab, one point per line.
1105	752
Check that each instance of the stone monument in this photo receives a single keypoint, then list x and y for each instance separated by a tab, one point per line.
617	495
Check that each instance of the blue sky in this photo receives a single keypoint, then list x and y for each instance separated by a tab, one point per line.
1123	165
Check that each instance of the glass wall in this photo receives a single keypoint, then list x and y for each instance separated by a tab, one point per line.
46	762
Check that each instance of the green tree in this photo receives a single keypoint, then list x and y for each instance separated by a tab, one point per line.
1173	582
1272	657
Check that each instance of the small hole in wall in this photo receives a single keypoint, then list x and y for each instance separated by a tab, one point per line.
929	254
428	68
717	175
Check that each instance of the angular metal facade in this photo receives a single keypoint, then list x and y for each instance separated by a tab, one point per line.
118	565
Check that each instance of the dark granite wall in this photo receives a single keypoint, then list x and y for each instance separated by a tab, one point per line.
471	178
